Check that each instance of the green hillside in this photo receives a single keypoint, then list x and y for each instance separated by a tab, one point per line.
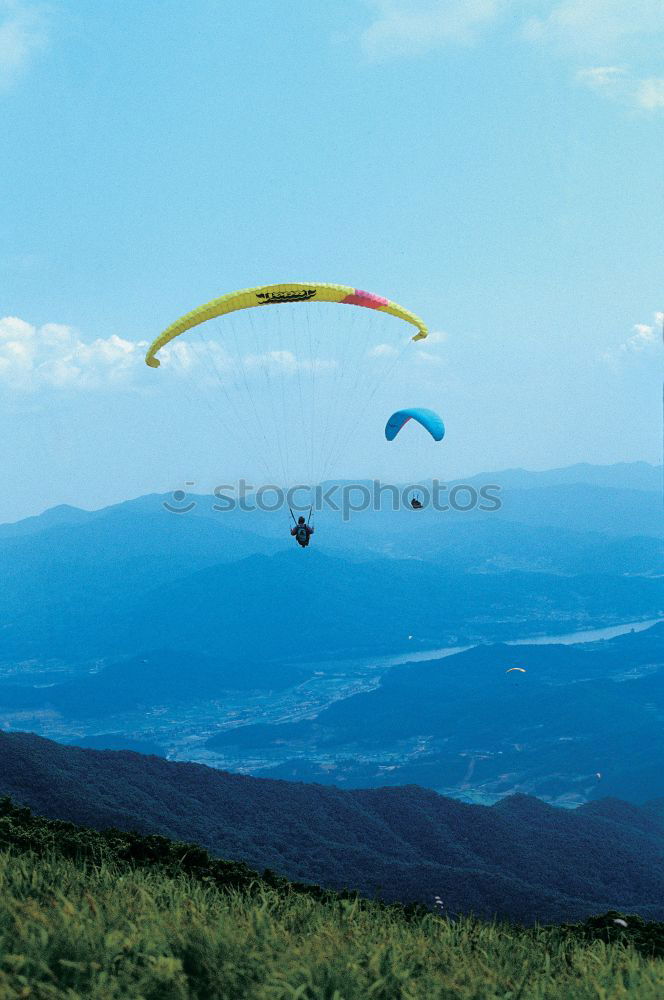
109	916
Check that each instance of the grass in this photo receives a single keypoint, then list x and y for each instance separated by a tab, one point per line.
100	931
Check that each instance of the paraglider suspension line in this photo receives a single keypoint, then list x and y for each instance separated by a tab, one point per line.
308	516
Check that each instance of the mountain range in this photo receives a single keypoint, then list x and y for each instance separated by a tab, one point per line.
79	588
141	628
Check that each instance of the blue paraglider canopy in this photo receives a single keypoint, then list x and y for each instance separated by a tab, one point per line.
428	418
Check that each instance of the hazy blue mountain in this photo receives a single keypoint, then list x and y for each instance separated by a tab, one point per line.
520	859
67	569
114	553
63	514
73	577
303	604
496	542
621	475
580	507
284	604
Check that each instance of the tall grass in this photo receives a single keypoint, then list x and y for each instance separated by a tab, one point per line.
99	932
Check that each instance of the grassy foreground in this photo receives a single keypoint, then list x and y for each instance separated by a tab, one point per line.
72	930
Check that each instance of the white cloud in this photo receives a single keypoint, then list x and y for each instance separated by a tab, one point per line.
55	355
207	360
285	362
410	27
428	358
598	26
60	372
643	342
54	334
22	34
617	82
650	93
382	351
11	328
643	338
390	351
602	78
281	360
181	356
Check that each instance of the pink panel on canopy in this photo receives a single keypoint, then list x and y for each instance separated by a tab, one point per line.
368	299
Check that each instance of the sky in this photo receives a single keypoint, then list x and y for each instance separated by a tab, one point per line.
496	167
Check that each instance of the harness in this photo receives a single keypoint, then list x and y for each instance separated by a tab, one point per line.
301	533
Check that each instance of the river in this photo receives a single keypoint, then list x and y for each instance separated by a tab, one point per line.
566	639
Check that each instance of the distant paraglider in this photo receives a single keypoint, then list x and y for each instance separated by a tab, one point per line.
521	670
429	419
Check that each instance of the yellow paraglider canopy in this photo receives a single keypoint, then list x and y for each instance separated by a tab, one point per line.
291	292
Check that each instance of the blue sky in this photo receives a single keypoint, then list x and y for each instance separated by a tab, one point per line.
497	167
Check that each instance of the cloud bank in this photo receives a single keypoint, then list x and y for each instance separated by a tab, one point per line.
54	355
